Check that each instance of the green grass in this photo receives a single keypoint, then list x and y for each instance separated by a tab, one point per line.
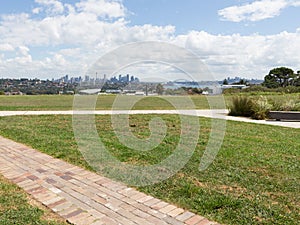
65	102
36	102
15	207
255	178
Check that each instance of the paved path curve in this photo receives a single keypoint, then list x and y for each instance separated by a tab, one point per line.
221	114
84	197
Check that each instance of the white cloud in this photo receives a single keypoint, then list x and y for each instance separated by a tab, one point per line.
102	8
59	60
6	47
91	27
23	50
36	10
79	27
257	10
51	6
249	56
20	29
24	60
70	52
22	57
295	3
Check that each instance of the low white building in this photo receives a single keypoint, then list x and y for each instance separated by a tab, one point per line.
237	86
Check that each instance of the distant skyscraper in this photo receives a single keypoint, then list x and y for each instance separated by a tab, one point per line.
66	78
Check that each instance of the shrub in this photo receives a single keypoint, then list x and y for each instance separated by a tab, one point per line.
285	104
291	89
241	106
288	105
250	107
231	91
260	108
276	104
256	88
296	107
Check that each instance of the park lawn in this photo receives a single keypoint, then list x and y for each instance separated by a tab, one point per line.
36	102
255	178
16	207
104	102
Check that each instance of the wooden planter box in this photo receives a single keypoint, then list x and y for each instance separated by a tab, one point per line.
285	115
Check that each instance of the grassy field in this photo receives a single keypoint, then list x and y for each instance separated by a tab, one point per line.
65	102
36	102
255	178
16	207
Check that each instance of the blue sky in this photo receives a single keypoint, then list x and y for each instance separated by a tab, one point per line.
51	38
203	15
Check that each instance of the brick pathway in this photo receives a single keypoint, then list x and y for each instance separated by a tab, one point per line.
83	197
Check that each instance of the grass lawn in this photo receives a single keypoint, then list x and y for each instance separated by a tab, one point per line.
65	102
255	178
16	207
36	102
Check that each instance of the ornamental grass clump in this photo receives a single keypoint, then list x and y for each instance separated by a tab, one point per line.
296	107
260	108
288	105
241	106
256	108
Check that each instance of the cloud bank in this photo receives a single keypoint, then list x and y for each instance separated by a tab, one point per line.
58	38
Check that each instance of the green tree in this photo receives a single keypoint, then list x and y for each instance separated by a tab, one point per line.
159	89
242	82
297	79
279	77
225	82
270	82
197	91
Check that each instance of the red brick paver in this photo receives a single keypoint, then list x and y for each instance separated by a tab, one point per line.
83	197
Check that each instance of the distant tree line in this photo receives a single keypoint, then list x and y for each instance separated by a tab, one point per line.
34	87
280	79
240	82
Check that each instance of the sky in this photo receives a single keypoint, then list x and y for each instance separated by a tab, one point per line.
51	38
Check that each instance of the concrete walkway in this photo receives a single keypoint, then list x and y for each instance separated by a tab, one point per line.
83	197
221	114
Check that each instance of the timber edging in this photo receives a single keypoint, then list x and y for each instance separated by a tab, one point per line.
285	115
